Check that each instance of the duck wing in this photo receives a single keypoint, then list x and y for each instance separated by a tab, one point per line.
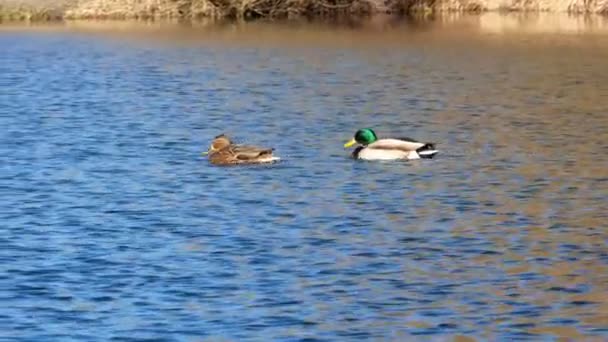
407	139
396	144
245	152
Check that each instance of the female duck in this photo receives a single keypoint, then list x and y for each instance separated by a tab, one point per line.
373	148
223	152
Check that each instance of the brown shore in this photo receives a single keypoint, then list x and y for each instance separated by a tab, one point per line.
192	10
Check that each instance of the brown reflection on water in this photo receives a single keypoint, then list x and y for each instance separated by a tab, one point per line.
524	113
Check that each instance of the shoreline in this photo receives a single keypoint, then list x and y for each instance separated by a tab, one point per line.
349	31
253	10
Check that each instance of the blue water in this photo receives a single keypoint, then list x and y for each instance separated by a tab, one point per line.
113	226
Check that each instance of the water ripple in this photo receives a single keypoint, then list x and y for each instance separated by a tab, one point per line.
114	227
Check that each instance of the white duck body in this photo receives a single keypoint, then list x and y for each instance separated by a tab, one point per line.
390	149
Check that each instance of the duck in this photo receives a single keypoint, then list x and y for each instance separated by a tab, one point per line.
223	151
372	148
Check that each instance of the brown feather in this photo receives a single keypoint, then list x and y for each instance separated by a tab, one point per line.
224	152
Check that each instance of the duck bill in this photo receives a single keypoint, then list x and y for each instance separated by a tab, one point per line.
204	153
350	143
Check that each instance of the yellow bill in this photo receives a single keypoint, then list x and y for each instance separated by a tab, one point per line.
205	153
350	143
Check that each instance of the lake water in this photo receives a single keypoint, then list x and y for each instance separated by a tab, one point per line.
113	226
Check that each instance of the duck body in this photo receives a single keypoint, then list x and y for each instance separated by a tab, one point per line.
223	152
372	148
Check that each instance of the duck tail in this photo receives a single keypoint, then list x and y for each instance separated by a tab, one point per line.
267	151
427	151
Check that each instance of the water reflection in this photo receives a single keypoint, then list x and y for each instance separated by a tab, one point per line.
113	223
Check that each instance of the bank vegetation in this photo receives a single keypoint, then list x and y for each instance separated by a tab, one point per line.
273	9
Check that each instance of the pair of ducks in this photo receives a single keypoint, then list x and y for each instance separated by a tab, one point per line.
223	152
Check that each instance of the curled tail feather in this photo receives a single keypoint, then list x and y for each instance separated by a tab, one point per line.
427	151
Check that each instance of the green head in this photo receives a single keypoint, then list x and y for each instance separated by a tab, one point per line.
364	136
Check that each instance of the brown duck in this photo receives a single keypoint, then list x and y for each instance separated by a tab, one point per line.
223	152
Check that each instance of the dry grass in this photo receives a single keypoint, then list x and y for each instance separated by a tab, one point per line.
22	12
34	10
274	9
236	9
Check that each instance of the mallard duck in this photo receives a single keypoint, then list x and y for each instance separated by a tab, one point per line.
372	148
223	152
